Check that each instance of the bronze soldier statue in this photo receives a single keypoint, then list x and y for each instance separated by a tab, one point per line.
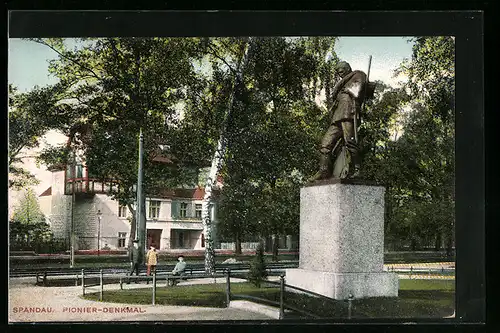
340	139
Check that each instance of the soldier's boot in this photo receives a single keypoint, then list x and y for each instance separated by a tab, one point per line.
324	171
353	148
355	173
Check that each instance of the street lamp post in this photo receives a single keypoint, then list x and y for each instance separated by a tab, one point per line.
140	218
72	225
99	215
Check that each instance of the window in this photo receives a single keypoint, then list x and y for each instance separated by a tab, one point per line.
122	211
184	207
122	236
198	211
154	209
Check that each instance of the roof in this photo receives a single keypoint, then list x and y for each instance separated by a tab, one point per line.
47	192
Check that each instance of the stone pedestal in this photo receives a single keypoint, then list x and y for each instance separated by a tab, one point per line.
342	241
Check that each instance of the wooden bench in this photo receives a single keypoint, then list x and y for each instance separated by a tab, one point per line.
41	278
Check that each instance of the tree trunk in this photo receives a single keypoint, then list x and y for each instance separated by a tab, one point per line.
449	244
269	245
276	240
205	211
237	242
437	243
413	244
217	163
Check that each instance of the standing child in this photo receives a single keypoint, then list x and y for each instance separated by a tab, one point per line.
151	259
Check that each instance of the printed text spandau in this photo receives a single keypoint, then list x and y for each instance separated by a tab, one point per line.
83	309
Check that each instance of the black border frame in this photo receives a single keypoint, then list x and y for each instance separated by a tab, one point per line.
467	26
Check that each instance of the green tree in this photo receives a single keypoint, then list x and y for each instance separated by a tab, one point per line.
417	163
430	132
28	228
244	48
36	237
272	135
285	130
112	88
257	271
26	128
28	209
236	215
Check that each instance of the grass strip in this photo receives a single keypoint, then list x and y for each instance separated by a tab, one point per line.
417	299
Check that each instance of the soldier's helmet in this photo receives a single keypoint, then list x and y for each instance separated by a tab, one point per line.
343	68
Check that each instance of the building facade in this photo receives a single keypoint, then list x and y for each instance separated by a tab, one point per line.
173	216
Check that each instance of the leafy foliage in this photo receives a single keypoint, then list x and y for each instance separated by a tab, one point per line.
28	210
112	88
180	92
257	271
417	165
35	236
271	137
28	229
25	130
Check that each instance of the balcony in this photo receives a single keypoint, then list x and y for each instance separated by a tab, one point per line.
78	176
89	186
187	224
186	218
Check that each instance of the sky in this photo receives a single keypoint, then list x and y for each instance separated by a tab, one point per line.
387	54
28	61
28	67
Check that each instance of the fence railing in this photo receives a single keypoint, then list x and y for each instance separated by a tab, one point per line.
154	278
88	280
411	272
100	284
282	305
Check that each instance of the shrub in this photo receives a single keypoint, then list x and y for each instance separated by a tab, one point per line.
257	271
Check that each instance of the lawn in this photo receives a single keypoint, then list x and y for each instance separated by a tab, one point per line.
209	295
417	299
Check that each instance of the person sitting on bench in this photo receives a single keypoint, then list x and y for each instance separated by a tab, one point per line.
179	269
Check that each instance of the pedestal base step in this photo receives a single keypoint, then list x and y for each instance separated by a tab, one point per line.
340	285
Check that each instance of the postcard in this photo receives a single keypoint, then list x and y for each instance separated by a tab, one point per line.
271	178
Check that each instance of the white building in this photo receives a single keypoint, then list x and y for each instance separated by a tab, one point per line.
173	216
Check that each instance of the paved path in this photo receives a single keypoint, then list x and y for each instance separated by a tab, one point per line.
419	272
444	264
426	277
28	303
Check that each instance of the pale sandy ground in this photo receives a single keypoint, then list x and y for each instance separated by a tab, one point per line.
444	264
61	302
